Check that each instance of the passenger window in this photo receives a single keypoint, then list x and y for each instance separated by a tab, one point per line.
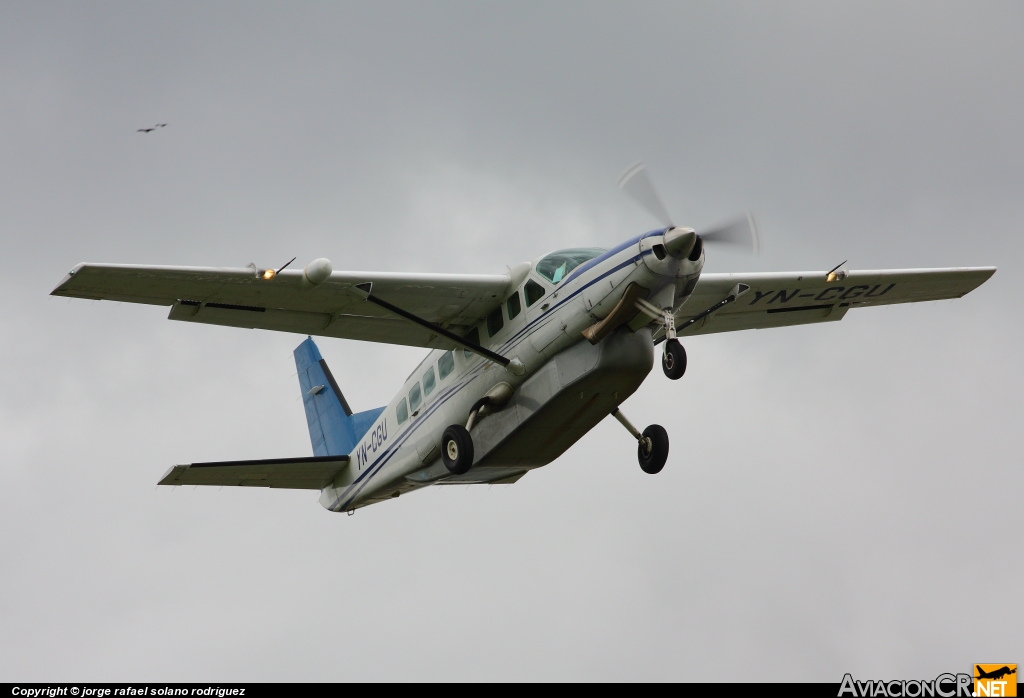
428	381
402	411
533	291
473	337
495	322
415	398
445	365
513	305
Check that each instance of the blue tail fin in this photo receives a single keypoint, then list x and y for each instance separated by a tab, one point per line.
333	429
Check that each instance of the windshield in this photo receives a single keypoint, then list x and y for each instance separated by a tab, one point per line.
557	265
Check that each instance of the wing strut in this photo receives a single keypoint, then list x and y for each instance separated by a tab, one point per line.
737	291
364	290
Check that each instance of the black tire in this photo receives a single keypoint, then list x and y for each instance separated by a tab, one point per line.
457	449
673	360
653	460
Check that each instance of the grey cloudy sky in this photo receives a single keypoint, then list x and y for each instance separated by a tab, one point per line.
838	498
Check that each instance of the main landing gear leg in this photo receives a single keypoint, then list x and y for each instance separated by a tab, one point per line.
652	445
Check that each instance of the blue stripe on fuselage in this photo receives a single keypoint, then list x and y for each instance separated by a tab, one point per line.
610	253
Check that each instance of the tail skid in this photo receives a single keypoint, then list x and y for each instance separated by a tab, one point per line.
333	429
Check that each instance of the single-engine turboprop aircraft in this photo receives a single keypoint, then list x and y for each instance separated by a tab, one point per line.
522	365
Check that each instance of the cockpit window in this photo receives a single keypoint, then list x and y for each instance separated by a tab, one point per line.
557	265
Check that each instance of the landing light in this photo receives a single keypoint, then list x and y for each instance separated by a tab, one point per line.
269	274
836	273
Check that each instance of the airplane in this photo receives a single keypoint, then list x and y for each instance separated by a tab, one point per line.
994	674
522	364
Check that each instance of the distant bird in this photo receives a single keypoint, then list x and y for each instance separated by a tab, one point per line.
151	128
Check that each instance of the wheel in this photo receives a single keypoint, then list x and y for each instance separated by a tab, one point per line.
673	361
457	449
653	451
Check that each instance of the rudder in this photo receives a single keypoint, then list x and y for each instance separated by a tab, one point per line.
333	429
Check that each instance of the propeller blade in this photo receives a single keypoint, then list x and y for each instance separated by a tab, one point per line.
741	232
635	182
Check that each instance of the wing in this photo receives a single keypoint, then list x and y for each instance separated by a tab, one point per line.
288	473
289	303
798	298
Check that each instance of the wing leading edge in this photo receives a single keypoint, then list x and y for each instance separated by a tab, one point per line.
240	298
798	298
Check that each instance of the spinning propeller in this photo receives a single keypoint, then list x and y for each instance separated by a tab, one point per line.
740	231
681	242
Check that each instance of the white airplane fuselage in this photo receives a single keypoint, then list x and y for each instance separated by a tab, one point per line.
567	387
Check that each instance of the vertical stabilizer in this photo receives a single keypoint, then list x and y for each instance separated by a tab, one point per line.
333	429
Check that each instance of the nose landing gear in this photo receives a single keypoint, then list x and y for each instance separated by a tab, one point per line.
673	360
652	445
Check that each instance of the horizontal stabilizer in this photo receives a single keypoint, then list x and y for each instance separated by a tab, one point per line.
287	473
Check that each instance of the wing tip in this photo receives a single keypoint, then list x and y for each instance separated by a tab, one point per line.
67	279
172	475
